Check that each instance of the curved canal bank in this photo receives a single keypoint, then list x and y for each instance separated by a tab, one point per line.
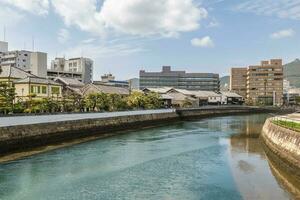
210	158
27	132
282	146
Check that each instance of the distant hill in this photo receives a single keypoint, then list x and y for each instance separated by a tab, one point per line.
291	72
224	82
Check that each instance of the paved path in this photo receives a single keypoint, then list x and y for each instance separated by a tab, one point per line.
23	120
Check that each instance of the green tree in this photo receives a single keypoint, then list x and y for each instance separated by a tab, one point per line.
7	96
136	100
117	102
152	101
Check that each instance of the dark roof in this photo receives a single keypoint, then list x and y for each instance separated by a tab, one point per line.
14	72
37	80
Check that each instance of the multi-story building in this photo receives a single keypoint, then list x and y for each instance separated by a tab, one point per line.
32	62
264	82
3	46
78	68
179	79
238	81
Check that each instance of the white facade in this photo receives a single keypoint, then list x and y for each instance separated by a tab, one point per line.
19	59
32	62
3	46
80	68
38	64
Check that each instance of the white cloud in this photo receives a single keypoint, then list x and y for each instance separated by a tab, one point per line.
134	17
283	34
39	7
289	9
96	51
8	17
82	13
63	35
148	17
203	42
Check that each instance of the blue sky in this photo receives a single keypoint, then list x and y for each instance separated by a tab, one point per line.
124	36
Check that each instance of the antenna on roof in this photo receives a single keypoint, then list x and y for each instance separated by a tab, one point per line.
32	43
4	33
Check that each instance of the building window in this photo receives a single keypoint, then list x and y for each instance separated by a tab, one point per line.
44	90
55	90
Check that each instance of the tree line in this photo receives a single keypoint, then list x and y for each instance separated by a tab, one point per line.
97	102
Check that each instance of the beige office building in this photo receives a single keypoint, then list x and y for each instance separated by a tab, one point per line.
264	82
238	81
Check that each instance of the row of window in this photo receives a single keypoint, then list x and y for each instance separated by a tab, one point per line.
43	90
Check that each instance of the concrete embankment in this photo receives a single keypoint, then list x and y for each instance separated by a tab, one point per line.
283	147
22	133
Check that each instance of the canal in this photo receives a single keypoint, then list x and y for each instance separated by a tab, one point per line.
216	158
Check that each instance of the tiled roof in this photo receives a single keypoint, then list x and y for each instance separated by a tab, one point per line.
69	81
37	80
231	94
161	90
91	88
14	72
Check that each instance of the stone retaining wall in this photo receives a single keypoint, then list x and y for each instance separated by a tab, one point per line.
282	146
22	137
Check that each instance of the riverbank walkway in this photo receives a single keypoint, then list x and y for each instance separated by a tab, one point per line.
38	119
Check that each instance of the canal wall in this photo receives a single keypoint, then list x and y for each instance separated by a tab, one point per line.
282	146
26	136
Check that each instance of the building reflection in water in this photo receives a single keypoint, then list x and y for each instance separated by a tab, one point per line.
247	157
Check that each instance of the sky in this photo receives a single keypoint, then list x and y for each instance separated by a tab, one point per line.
125	36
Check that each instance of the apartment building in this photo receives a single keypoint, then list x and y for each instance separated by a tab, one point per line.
3	46
179	80
32	62
78	68
264	82
238	81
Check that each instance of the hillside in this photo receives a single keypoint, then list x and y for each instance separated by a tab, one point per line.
224	83
291	72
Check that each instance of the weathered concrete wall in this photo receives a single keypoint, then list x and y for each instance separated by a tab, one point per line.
282	146
22	137
207	112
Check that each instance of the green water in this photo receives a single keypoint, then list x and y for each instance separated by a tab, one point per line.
205	159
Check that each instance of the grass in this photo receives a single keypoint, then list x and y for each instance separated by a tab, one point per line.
288	124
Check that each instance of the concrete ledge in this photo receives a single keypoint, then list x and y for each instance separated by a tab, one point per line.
282	146
23	136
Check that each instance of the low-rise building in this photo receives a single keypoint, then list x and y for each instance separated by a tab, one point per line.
92	89
37	88
231	98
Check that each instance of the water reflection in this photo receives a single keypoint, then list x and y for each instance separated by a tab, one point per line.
218	158
249	167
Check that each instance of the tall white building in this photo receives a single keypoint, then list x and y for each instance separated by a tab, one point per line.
79	68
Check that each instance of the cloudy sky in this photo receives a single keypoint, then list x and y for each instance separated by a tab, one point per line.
124	36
